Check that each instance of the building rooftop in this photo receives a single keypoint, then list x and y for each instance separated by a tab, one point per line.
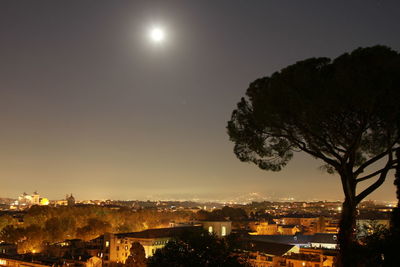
283	239
270	248
308	216
159	232
324	238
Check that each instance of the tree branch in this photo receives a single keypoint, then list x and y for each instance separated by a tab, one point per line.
329	147
378	182
371	161
302	145
352	150
319	155
373	174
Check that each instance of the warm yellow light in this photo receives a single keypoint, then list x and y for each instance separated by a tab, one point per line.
44	202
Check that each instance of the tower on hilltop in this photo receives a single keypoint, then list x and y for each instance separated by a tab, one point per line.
70	200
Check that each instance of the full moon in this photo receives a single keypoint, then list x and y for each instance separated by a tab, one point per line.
157	35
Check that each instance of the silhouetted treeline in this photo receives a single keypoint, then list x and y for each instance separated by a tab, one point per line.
226	213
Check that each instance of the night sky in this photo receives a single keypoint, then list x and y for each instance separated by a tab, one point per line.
89	105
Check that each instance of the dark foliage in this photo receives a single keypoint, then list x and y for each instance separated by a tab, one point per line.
378	248
42	224
137	258
262	215
195	248
226	213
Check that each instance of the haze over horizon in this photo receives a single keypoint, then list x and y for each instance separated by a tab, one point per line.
89	105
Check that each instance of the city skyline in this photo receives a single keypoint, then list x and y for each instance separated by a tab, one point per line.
244	198
90	106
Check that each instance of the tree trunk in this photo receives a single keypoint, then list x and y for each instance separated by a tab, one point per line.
347	233
347	223
396	210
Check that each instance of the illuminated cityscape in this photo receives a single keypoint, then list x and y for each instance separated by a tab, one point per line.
295	227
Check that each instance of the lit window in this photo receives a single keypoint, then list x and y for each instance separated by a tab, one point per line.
210	229
223	231
107	244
